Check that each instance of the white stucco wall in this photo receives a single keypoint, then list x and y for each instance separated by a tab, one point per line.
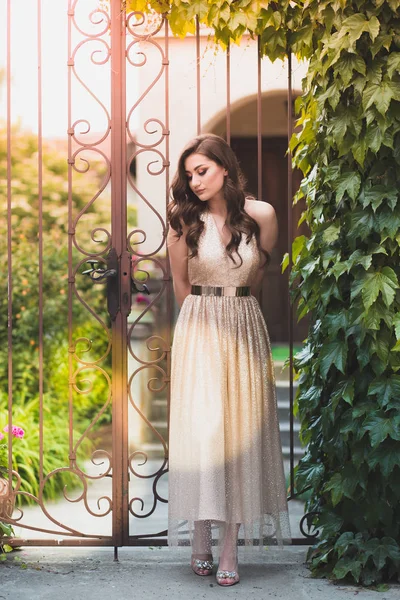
183	107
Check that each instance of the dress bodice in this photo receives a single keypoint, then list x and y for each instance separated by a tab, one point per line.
212	265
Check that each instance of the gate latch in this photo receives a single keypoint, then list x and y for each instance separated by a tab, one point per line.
111	275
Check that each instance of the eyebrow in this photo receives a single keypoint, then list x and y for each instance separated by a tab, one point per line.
195	169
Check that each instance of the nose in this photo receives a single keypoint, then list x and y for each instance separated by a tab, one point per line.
195	181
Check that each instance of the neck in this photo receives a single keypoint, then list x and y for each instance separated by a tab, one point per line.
217	205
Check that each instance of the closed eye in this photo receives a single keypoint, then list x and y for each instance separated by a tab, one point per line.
201	173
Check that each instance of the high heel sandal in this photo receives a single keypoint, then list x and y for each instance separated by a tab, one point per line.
234	575
199	564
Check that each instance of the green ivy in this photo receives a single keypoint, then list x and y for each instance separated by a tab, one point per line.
347	277
346	273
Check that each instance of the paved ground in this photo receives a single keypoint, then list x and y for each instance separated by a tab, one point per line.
144	573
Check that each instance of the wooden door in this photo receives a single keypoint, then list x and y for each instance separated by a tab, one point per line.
274	298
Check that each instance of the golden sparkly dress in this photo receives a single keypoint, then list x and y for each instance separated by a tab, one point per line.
225	458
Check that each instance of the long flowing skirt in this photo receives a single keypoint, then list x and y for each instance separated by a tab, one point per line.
225	450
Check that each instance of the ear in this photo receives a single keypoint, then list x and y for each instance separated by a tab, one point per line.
225	172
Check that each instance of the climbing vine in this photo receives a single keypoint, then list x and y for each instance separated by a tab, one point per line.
346	273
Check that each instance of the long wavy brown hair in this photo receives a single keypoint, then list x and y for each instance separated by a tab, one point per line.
186	207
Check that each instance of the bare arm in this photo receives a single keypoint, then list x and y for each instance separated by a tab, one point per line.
265	216
178	258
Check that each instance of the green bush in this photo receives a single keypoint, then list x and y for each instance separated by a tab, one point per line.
57	359
26	455
346	275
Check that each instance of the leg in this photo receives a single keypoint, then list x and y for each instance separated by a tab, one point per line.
202	553
227	569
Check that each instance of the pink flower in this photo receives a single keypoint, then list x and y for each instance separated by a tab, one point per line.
16	431
1	435
140	298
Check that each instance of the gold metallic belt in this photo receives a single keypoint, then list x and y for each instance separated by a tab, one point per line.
212	290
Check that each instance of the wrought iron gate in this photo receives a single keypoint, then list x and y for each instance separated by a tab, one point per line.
125	350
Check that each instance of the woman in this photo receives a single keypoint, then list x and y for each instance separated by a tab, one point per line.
226	472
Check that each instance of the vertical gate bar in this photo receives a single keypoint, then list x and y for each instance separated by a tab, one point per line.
169	292
9	244
120	485
198	94
40	240
71	280
259	123
290	235
228	93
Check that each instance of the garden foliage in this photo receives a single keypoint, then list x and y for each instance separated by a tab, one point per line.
346	274
25	314
348	278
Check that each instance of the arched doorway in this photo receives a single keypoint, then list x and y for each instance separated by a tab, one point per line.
274	190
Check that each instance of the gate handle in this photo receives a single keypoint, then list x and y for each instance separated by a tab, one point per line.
98	274
111	275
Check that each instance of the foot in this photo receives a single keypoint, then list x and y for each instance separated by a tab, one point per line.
202	564
227	578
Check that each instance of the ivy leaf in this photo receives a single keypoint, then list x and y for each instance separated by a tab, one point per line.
380	427
396	323
331	233
339	268
275	40
309	473
354	26
386	456
224	12
345	390
373	27
381	94
311	397
359	150
362	222
179	22
394	5
302	358
384	282
393	63
380	550
337	320
344	542
385	389
359	258
237	18
333	353
349	182
334	485
349	63
197	7
392	547
374	137
377	194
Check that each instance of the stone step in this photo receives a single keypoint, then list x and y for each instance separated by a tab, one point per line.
297	451
156	450
149	437
159	411
282	372
159	408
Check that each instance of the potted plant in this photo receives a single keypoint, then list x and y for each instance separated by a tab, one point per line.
7	497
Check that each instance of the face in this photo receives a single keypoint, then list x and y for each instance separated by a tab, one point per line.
206	177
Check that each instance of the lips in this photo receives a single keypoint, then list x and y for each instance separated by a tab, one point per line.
199	191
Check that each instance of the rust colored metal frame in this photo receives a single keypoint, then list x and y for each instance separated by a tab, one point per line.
290	240
121	252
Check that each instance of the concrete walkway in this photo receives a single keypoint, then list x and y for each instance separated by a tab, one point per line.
145	573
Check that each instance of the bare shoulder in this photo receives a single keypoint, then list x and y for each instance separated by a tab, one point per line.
262	212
